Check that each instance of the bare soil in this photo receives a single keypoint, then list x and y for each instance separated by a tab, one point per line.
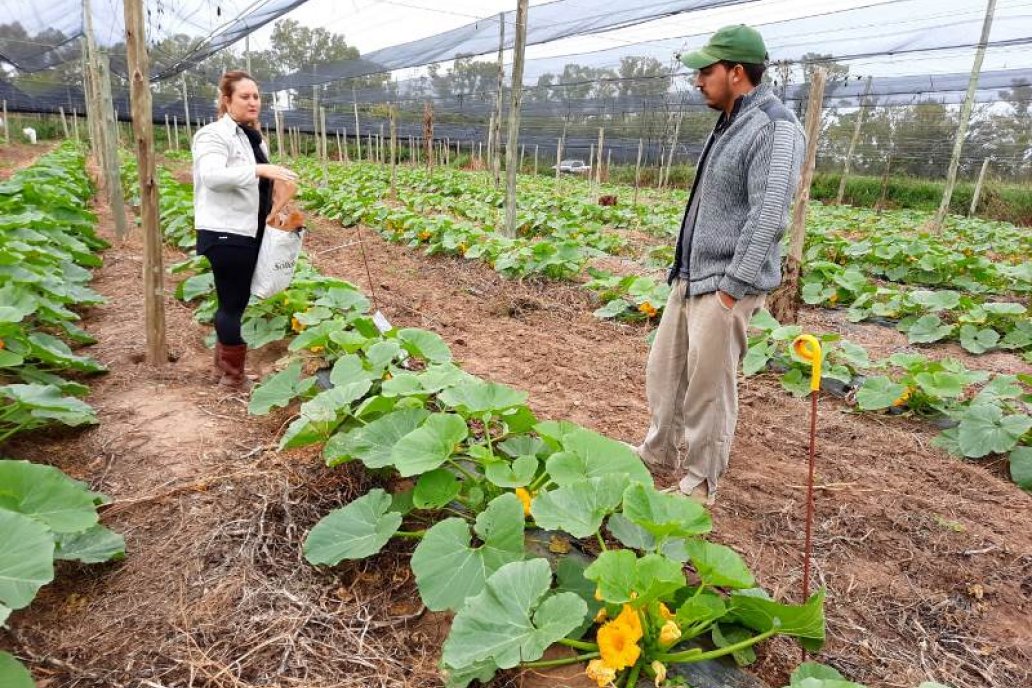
927	560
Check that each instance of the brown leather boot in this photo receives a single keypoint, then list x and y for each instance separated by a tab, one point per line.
230	360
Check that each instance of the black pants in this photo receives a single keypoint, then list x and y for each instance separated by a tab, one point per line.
233	267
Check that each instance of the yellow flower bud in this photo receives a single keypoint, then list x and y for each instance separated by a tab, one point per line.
601	616
525	497
598	595
600	672
664	611
669	633
660	669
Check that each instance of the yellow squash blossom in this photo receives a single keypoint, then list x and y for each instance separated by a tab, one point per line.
902	398
599	672
296	325
647	309
618	645
629	617
525	498
665	612
669	633
424	235
315	349
1	344
660	669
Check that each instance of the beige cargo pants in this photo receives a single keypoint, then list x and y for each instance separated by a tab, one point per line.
691	384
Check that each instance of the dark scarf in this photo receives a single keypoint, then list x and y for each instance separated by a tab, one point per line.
264	185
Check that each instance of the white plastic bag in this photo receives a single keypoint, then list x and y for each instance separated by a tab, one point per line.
276	260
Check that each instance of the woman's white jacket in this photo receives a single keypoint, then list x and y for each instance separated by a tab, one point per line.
225	183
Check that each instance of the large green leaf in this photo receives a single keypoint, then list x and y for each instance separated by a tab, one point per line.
47	402
621	577
1004	308
381	354
351	368
984	429
935	301
50	349
13	673
259	331
878	392
665	515
449	570
425	344
321	415
372	444
47	495
755	610
1021	467
26	558
435	489
279	390
512	620
516	473
941	384
719	566
578	508
978	340
927	329
430	445
93	546
479	396
356	531
634	536
814	675
587	454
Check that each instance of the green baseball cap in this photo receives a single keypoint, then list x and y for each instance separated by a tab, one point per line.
737	43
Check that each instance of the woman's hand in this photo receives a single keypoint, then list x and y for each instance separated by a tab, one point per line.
275	173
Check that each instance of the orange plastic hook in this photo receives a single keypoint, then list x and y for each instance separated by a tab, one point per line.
807	348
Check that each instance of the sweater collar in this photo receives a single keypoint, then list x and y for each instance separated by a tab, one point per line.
743	103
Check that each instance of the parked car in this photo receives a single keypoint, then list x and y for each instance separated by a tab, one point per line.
573	166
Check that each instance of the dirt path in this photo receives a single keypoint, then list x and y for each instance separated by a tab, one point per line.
14	156
921	553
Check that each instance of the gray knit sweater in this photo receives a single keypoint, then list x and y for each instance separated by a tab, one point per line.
748	175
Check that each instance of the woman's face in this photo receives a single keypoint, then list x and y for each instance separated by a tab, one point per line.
244	104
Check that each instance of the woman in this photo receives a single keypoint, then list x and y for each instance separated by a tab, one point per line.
232	198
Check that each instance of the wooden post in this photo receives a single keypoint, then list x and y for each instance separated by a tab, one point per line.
358	129
673	148
609	162
278	118
64	121
978	188
369	147
558	156
784	302
535	159
965	116
315	117
601	141
428	133
344	138
324	149
490	140
852	143
637	171
523	155
496	127
591	161
168	134
143	128
110	143
394	149
75	124
175	127
340	149
186	107
515	104
7	125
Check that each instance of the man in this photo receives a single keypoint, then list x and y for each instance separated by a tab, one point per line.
726	261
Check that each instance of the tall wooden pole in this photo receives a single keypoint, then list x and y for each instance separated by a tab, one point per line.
7	125
109	143
143	128
598	168
278	117
496	129
965	116
75	124
535	159
637	171
358	130
852	143
186	107
175	128
978	188
168	134
784	302
64	122
515	103
673	148
394	150
428	133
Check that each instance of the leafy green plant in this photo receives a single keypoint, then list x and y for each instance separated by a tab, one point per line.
44	515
